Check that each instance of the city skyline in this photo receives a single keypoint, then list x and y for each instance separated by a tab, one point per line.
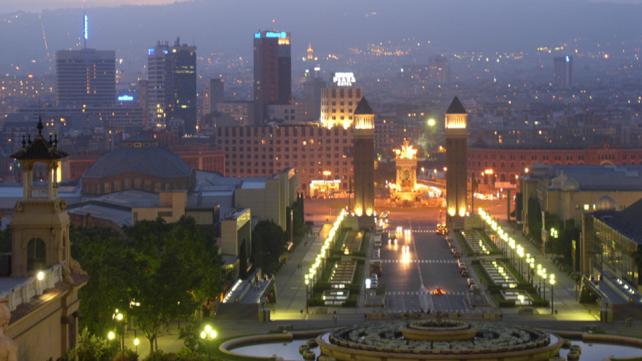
205	180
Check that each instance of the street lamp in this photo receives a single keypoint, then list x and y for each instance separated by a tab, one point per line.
136	342
119	317
111	335
552	281
520	253
307	294
208	334
544	277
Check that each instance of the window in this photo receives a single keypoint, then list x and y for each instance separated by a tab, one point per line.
36	254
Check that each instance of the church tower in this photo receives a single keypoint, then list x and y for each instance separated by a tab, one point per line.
363	160
40	226
456	157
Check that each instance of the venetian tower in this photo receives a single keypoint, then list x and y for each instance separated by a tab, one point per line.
456	172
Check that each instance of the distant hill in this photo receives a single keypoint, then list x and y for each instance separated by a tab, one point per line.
227	25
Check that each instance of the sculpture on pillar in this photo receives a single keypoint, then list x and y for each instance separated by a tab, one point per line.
8	348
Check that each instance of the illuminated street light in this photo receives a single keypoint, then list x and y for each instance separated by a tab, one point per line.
431	122
111	335
208	334
40	275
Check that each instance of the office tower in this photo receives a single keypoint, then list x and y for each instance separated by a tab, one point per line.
312	89
339	101
157	83
217	93
563	72
85	78
456	176
171	74
363	159
272	71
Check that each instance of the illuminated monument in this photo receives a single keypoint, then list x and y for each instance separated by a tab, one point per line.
456	149
363	160
405	188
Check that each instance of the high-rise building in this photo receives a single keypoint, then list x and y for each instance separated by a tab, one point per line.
85	78
456	176
363	159
272	70
217	93
157	83
171	74
563	72
339	101
312	89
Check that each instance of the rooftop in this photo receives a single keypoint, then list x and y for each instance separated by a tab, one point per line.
626	221
590	177
150	161
456	107
363	107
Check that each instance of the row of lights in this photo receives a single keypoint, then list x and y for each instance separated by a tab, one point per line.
310	277
518	248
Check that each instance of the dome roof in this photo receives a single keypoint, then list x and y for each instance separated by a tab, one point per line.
605	203
150	161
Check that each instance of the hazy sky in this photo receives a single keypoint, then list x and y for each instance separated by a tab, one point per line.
31	5
35	5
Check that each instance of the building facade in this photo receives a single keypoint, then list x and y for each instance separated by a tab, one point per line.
317	153
85	78
509	164
41	291
272	70
171	94
339	101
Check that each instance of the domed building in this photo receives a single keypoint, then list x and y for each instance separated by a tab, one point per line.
149	168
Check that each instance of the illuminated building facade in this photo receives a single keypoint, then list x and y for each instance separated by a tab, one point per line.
85	77
272	70
317	153
363	159
171	92
507	165
339	101
456	174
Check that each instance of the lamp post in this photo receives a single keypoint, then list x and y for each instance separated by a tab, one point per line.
119	318
208	334
307	294
544	277
136	342
520	254
552	281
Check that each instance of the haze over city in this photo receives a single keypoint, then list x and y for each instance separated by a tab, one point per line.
320	180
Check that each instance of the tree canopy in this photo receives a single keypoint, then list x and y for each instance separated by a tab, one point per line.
155	272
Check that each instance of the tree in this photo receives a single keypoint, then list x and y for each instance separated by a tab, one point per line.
534	219
110	264
171	270
519	204
183	276
268	243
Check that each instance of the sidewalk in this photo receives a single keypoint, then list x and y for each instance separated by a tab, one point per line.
565	296
290	289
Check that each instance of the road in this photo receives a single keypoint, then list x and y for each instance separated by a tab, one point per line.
430	265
